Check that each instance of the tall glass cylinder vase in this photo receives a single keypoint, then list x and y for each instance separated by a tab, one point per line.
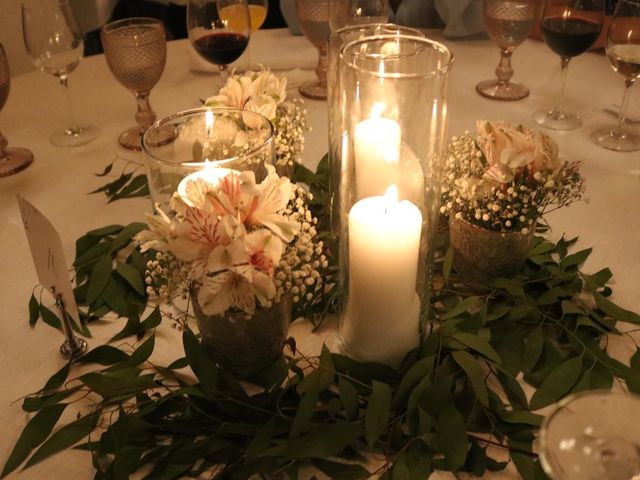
205	142
336	101
395	93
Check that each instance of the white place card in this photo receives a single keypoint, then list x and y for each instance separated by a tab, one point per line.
48	256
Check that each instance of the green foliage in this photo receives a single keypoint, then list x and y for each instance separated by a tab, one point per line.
129	184
457	393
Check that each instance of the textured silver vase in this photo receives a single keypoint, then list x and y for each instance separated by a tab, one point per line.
480	254
245	343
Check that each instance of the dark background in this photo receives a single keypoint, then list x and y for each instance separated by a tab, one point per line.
173	16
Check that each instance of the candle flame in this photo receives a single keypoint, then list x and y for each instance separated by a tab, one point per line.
391	195
208	122
377	109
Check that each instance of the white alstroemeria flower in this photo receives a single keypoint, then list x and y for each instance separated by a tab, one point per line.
261	104
264	250
237	287
275	193
266	83
157	236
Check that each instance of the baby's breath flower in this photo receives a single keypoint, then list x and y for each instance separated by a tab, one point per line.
511	196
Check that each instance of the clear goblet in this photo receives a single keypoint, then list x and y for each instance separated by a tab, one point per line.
569	28
14	159
136	51
590	436
623	52
54	42
508	23
345	13
314	23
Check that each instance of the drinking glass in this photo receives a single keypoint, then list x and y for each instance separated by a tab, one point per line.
345	13
136	51
569	28
219	30
623	52
592	435
257	13
54	41
508	23
14	159
314	23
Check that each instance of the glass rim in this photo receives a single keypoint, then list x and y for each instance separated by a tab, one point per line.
361	26
434	45
559	407
110	27
194	111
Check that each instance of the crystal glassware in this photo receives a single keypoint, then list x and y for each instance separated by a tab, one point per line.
623	52
219	30
54	41
313	16
508	23
344	13
136	51
592	435
14	159
393	152
569	28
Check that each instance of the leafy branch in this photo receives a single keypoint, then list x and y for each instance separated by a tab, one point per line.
451	398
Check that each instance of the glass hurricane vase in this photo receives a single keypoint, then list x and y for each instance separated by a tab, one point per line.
392	157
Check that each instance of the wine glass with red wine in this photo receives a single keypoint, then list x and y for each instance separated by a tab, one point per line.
219	30
623	52
569	28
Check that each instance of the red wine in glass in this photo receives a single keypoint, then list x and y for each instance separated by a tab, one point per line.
569	28
221	48
219	30
569	37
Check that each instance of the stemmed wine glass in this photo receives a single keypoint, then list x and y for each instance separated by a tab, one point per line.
592	435
314	22
136	52
54	41
508	23
569	28
219	30
14	159
623	52
357	12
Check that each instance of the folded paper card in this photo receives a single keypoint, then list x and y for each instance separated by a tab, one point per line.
48	256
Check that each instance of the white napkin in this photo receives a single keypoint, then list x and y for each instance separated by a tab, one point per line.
275	48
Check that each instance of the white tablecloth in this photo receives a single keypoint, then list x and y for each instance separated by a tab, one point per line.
59	180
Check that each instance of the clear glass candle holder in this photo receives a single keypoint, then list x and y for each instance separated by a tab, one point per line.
336	102
210	141
393	147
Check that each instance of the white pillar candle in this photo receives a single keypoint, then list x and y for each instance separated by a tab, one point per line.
382	318
377	153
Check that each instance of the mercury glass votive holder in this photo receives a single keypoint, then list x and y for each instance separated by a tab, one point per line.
393	149
209	140
336	99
